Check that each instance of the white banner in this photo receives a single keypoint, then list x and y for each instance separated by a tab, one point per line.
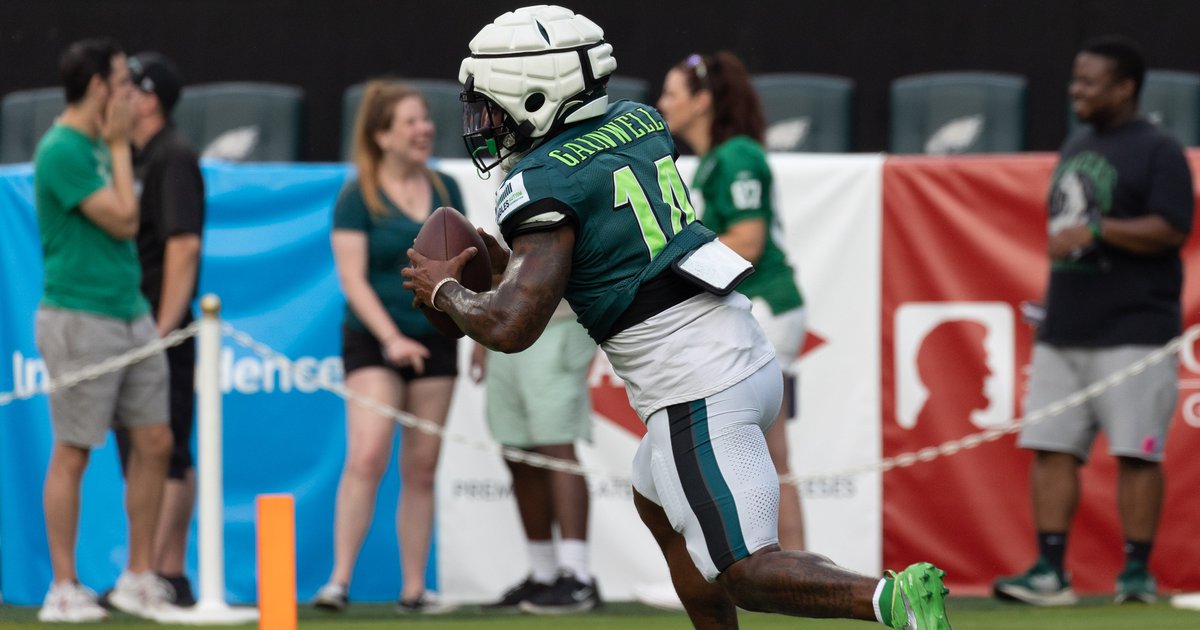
831	208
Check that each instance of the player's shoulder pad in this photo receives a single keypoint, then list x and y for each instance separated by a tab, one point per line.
519	190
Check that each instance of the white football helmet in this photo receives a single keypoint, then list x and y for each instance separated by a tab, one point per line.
531	72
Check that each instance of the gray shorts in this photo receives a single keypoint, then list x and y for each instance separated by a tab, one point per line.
539	397
132	396
1134	415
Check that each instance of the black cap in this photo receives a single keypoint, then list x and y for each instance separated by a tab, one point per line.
152	72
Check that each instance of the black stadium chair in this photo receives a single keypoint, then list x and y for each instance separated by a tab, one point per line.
958	112
24	116
628	88
807	112
243	122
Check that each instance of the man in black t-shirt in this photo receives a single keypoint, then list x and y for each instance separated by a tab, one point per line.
1120	208
167	173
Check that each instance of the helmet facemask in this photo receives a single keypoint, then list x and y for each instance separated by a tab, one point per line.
489	132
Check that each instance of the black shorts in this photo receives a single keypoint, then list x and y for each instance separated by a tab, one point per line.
361	349
181	366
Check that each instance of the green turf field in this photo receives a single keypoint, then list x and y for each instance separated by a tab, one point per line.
965	614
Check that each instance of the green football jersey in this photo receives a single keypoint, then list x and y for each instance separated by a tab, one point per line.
735	183
86	269
617	174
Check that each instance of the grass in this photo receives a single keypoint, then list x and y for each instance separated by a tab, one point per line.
965	613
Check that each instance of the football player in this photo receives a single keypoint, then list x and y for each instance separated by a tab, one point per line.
595	211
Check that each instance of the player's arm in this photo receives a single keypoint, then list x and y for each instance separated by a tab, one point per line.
742	201
510	317
114	208
1147	235
350	260
747	238
1150	234
183	202
181	261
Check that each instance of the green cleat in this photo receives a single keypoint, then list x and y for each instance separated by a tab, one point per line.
1135	584
918	598
1041	585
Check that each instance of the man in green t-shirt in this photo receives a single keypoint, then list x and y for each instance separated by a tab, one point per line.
92	309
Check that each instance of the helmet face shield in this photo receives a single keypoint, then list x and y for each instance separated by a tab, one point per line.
484	130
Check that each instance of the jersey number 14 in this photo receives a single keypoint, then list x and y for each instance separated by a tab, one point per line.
628	191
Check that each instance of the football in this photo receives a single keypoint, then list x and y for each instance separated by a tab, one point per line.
444	235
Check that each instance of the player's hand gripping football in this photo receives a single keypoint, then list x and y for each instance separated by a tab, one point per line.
424	273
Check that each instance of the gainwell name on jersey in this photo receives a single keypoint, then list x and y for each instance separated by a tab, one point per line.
620	131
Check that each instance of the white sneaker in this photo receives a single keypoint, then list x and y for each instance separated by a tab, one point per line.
71	602
427	604
661	596
142	595
332	597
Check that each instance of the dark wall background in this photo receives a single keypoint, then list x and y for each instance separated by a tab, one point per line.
326	46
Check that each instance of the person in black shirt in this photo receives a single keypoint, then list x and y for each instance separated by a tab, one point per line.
167	172
1120	208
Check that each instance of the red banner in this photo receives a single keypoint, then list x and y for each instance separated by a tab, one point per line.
964	244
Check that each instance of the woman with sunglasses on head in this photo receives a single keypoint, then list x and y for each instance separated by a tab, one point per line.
709	103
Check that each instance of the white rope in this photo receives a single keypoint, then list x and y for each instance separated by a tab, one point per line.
1075	399
421	424
107	366
926	454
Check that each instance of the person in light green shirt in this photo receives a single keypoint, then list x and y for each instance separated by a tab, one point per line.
709	102
92	310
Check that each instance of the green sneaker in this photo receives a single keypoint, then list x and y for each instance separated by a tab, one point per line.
1135	584
1041	585
918	598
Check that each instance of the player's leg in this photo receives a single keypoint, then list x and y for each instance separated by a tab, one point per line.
714	478
80	417
508	421
707	604
60	500
554	384
1139	503
1061	445
142	408
791	517
427	399
1139	497
368	452
179	493
531	490
755	573
1136	416
1054	484
569	494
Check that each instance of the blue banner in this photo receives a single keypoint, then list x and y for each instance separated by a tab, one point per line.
267	255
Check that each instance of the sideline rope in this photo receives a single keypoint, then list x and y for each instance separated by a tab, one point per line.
926	454
112	364
902	460
421	424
